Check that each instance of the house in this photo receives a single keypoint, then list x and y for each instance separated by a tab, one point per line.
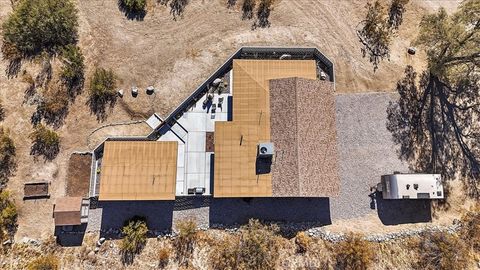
258	127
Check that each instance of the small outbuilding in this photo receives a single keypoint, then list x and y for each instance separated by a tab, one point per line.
70	211
411	186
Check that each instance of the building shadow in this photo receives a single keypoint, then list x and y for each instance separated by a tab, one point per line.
158	214
191	202
237	211
71	238
394	212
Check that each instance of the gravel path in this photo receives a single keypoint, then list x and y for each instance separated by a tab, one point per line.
366	151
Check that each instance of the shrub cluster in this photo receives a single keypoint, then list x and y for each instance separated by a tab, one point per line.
256	248
8	215
45	142
48	262
442	251
134	238
7	156
353	253
184	243
133	6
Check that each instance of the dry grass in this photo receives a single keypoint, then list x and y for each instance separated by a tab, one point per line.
353	253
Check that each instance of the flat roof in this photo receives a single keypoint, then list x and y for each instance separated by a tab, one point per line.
138	170
304	133
67	211
236	141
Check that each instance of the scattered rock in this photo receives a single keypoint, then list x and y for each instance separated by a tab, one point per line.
120	93
7	242
96	249
91	255
150	90
111	245
134	91
412	50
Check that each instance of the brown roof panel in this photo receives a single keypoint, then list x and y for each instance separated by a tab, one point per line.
67	211
138	170
304	134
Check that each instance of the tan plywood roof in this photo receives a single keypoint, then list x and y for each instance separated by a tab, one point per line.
236	141
138	170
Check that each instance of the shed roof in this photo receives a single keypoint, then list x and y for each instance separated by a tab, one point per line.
67	211
236	141
138	170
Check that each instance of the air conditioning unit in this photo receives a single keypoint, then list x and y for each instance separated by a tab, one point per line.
265	150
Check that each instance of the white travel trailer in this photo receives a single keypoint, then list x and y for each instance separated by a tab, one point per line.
411	186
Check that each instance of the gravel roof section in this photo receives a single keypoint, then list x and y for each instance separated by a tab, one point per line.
304	134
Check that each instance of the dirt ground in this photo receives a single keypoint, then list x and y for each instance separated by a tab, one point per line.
175	56
78	175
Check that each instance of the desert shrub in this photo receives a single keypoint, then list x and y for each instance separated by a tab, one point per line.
102	91
303	242
8	215
185	241
353	253
164	257
442	251
48	262
471	229
134	5
36	26
7	156
45	142
52	106
134	238
247	8
224	255
72	73
259	247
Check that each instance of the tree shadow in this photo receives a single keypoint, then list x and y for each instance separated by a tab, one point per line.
231	3
137	15
100	105
433	123
13	67
263	13
177	7
247	9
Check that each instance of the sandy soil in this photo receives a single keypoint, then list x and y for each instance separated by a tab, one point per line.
175	56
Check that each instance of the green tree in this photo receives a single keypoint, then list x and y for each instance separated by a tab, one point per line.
134	239
434	120
7	157
45	142
102	91
47	262
72	73
36	26
8	215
